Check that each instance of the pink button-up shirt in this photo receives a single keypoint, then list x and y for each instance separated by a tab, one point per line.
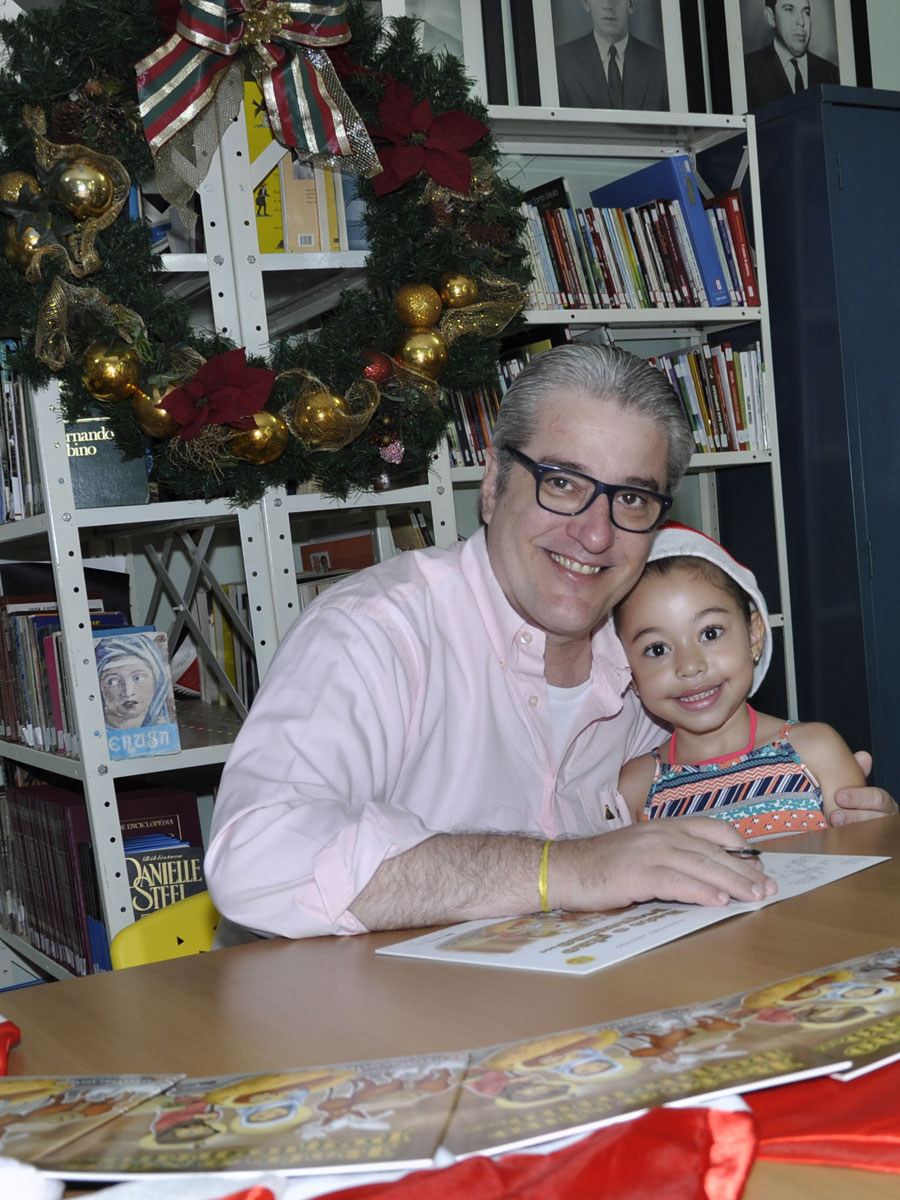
408	700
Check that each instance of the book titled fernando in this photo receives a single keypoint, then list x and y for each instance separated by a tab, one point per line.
137	693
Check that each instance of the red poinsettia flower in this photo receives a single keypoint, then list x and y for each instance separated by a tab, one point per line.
225	391
411	139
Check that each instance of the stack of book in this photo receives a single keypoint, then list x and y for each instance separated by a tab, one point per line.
36	692
721	390
301	207
51	897
646	241
20	491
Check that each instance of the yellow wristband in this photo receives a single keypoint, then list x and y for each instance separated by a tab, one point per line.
542	875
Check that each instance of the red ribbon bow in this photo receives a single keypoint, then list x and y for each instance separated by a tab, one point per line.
179	79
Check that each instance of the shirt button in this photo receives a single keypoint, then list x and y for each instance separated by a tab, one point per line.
526	639
533	701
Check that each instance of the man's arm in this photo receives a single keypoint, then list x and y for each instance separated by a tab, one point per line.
862	803
466	877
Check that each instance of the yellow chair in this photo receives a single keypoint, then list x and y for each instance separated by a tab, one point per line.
183	928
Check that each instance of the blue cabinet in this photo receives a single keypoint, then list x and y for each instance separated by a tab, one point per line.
830	185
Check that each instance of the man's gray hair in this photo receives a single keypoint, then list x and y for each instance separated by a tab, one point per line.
595	372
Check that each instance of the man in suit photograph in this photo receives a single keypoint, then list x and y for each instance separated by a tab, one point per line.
609	67
786	65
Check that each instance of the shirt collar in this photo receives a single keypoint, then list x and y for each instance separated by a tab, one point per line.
521	645
603	46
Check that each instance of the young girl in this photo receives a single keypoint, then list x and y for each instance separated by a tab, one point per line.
696	632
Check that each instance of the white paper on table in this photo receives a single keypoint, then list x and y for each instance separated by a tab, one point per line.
581	943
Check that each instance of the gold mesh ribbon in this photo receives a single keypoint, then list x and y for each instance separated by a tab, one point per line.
66	309
83	257
429	388
502	299
205	452
321	419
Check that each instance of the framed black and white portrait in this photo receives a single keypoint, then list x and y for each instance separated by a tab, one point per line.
611	54
448	26
765	50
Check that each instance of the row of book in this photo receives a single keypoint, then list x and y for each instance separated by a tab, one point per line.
101	477
50	896
301	207
647	241
439	1108
721	389
37	696
225	666
20	493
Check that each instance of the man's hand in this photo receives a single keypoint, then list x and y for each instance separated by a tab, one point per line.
683	859
862	803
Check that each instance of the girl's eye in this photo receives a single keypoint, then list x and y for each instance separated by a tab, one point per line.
655	650
711	633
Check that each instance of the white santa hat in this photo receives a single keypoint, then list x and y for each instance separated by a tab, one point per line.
674	541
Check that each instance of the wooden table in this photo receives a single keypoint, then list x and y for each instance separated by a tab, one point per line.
280	1004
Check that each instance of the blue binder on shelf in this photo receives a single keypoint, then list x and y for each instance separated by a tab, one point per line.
672	179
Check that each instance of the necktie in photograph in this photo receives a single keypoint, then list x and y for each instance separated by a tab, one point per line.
798	78
614	79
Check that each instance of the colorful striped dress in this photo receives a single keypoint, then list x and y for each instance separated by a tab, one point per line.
762	792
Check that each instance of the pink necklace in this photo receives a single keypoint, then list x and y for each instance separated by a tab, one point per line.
708	762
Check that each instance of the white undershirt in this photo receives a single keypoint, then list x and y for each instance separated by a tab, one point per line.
564	704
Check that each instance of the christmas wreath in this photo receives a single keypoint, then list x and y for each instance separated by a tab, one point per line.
96	97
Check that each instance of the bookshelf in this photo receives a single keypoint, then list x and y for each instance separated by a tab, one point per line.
593	147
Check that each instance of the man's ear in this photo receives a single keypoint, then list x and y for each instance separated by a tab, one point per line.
770	15
489	484
757	634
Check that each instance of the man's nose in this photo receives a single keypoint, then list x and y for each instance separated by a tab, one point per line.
594	527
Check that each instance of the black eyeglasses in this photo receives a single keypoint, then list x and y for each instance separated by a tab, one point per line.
569	493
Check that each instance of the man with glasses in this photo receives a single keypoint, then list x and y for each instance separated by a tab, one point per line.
439	737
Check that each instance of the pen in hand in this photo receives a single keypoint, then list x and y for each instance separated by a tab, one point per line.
744	852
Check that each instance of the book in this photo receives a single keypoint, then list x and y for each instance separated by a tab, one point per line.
581	943
732	205
327	181
300	207
51	842
838	1020
267	191
354	214
101	476
672	178
338	552
136	692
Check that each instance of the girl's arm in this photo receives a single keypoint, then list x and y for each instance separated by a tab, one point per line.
828	757
635	779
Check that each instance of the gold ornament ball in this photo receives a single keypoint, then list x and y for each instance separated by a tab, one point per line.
417	304
458	290
85	188
322	422
425	351
13	183
262	444
153	420
111	370
21	247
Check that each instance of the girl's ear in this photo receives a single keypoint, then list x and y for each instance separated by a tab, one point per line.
757	635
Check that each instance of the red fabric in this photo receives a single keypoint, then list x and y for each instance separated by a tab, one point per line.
9	1037
825	1121
224	391
668	1154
